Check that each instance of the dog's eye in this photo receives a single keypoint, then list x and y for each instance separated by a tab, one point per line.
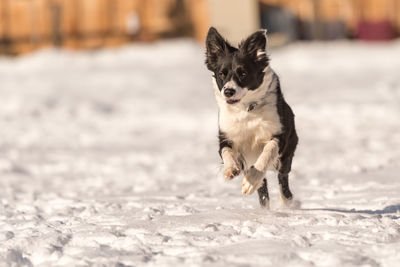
222	74
241	73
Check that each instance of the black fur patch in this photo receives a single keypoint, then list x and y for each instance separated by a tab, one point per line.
284	184
288	138
263	196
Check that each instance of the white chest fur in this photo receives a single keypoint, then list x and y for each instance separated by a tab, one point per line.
249	130
241	124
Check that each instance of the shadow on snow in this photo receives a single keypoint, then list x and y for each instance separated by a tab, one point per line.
386	210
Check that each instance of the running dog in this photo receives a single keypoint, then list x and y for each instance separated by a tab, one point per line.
256	126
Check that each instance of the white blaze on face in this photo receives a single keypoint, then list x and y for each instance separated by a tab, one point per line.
239	91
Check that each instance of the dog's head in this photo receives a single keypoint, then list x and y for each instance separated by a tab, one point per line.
237	70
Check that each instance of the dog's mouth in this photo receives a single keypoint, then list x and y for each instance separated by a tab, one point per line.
232	101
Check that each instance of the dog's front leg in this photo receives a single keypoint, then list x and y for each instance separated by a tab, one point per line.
253	178
231	168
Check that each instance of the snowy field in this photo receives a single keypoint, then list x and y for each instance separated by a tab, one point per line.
109	158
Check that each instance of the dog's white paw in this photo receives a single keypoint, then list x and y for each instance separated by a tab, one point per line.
231	172
252	181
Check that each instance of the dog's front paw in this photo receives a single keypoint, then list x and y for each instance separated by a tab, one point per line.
252	181
231	172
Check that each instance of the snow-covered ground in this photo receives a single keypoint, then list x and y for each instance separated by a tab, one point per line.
109	158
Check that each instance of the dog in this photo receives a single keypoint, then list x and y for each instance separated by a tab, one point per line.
256	126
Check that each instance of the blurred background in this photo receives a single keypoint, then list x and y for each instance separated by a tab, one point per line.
108	140
26	25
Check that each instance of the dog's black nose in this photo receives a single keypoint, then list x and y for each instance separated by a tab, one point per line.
228	92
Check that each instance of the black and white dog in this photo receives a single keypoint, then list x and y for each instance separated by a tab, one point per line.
256	126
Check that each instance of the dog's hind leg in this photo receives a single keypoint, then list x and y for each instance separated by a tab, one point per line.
286	195
283	177
263	196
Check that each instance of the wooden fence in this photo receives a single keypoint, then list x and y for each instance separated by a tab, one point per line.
349	11
26	25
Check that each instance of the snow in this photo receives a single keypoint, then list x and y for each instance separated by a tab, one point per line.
109	158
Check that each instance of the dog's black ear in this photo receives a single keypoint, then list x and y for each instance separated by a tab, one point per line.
255	45
216	46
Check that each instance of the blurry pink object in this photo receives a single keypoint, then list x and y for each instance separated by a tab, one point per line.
375	31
